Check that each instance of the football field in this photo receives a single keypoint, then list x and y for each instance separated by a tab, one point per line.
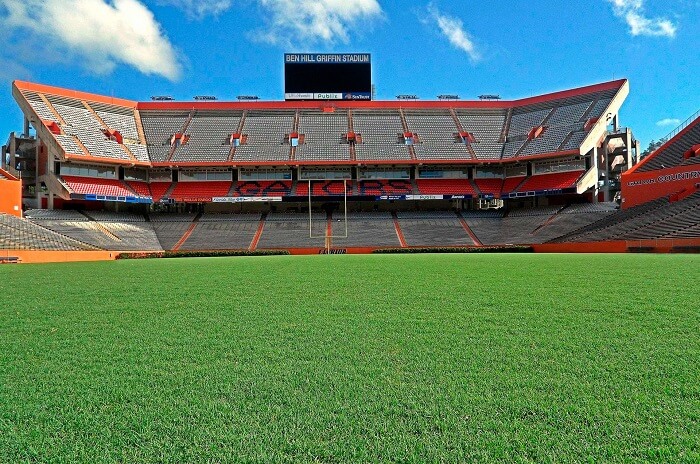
378	358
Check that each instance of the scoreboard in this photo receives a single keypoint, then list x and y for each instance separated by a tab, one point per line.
319	76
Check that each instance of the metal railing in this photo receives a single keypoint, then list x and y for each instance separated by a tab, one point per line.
682	126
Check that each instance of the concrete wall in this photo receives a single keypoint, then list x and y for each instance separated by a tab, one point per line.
641	187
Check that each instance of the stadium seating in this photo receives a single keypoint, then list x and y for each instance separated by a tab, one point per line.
118	118
324	188
551	140
656	219
489	186
266	188
438	228
385	187
290	230
100	230
671	154
265	133
141	188
95	186
323	136
380	131
140	152
487	126
20	234
208	137
365	230
553	181
199	191
524	119
600	106
159	127
84	125
39	106
204	135
69	144
436	131
159	189
222	235
445	187
510	184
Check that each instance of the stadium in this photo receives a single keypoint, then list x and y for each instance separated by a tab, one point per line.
341	176
516	282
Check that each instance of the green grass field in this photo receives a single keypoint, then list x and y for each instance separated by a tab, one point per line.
429	358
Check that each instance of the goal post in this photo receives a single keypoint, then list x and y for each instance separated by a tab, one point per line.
328	235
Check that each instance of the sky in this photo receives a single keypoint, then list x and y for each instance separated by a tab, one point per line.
137	48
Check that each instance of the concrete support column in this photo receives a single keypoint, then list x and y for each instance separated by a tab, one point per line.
630	148
606	161
596	166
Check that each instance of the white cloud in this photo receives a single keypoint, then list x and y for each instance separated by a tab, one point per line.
668	122
100	33
453	29
198	9
310	21
632	11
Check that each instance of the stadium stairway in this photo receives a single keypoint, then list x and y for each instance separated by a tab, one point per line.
187	233
469	230
258	233
546	222
100	227
399	232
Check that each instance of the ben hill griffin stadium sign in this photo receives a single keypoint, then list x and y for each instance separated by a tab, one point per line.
328	76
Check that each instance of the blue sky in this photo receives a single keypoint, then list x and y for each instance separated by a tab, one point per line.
137	48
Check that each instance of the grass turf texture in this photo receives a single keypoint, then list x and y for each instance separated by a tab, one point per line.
352	358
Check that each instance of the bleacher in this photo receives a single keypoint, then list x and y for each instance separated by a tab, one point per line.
445	187
265	133
22	234
324	136
96	186
291	230
489	186
40	107
671	154
159	189
486	126
436	131
382	135
101	230
159	127
439	228
209	137
193	191
84	125
385	187
141	188
324	188
653	220
499	132
223	232
533	225
262	188
366	229
551	181
510	184
118	118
